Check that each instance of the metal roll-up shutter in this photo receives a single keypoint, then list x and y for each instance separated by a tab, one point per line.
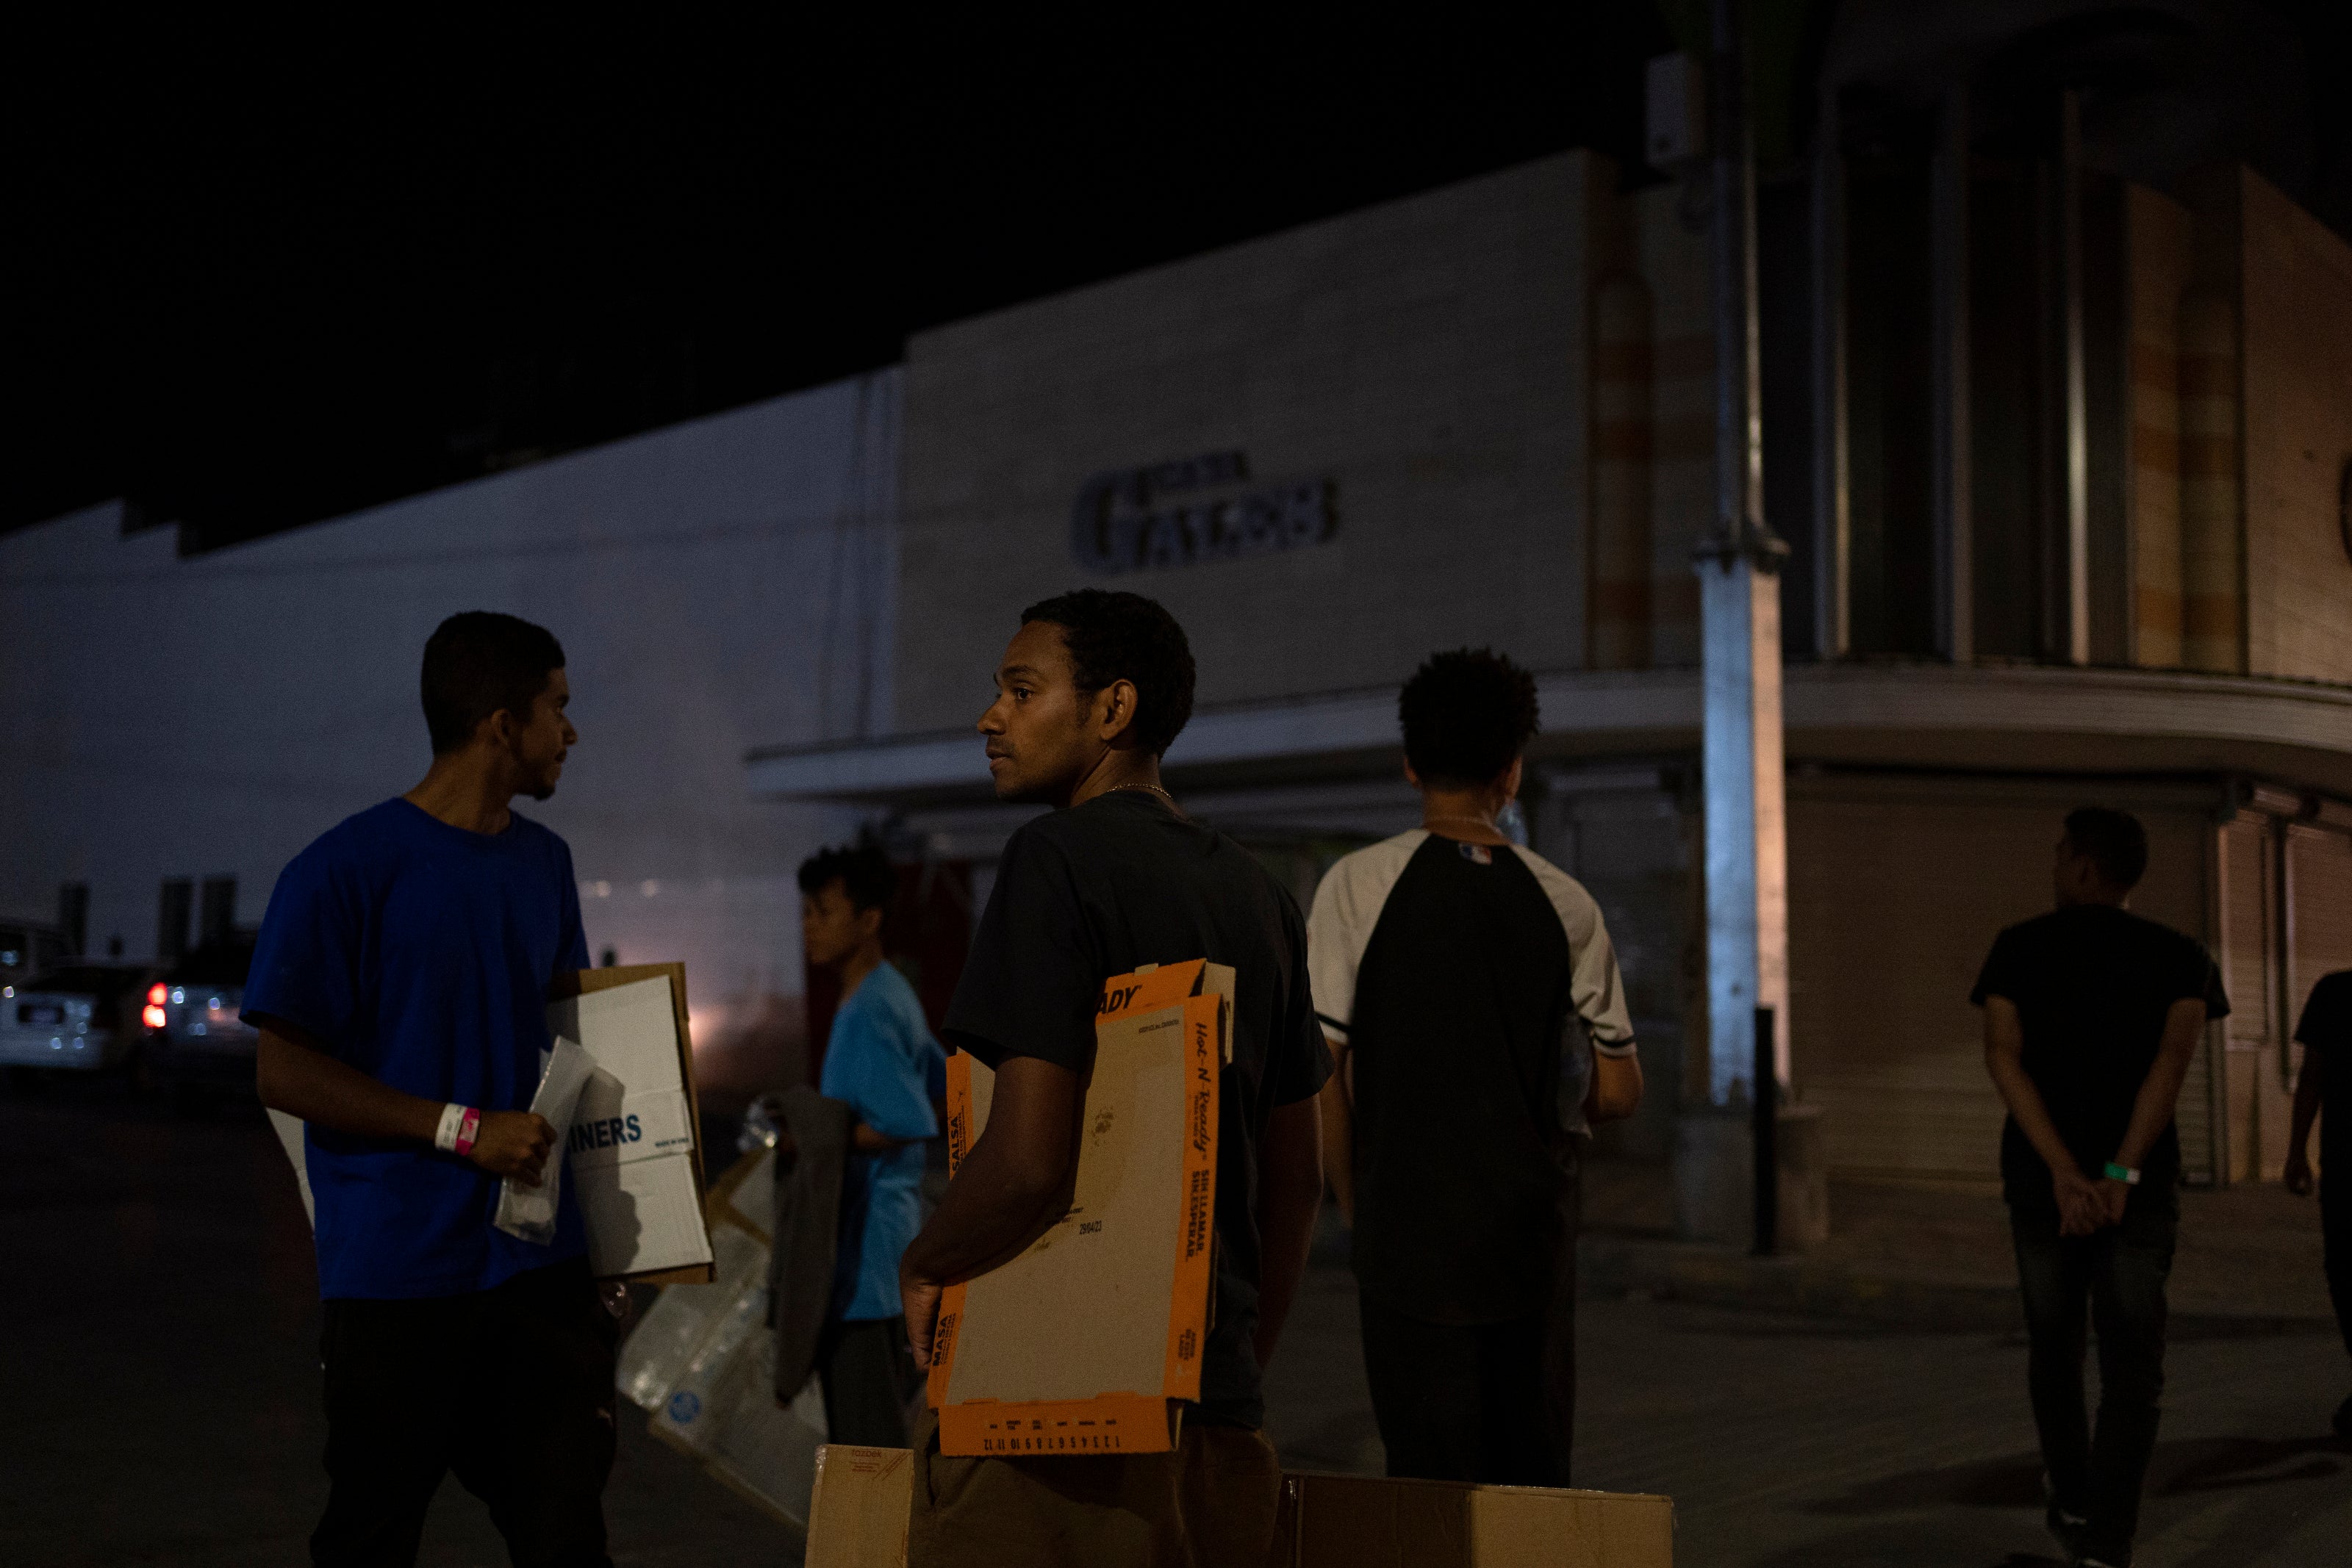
2319	942
1896	892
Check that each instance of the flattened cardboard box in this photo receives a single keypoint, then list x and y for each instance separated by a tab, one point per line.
859	1520
647	1224
634	1147
1087	1342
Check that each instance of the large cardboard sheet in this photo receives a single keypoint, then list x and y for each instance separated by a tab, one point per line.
1081	1343
631	1144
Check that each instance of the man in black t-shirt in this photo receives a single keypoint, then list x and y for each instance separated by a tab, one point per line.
2091	1015
1469	990
1091	690
2324	1085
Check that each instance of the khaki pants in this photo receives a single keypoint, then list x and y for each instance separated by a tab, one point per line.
1210	1504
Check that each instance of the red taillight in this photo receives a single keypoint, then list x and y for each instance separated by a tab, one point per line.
152	1017
155	994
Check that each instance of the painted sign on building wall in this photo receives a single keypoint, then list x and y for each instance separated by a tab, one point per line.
1193	509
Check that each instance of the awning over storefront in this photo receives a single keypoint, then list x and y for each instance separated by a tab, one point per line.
2016	718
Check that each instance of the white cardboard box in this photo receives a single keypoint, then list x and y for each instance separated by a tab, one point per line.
633	1141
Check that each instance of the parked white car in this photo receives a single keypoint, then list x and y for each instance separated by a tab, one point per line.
77	1018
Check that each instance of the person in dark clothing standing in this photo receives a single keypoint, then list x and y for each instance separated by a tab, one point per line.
1090	692
1470	994
400	985
2323	1092
2091	1015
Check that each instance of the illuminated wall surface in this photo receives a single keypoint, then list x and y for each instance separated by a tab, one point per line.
716	584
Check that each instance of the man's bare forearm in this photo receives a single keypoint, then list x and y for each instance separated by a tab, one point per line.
2307	1107
1290	1191
990	1215
307	1084
1338	1117
1015	1182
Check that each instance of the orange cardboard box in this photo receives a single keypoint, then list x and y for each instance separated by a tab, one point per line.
1087	1342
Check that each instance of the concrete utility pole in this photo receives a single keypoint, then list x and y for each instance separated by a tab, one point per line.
1739	605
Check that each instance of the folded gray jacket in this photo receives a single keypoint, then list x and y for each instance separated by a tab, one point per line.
808	1224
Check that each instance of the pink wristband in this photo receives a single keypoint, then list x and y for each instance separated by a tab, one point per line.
467	1128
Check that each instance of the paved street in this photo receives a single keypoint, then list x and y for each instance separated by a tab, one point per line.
1790	1441
159	1325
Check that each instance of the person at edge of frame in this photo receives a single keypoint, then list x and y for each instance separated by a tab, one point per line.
1473	1007
2091	1015
400	983
880	1060
2323	1092
1092	689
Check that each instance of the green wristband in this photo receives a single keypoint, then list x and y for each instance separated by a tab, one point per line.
2124	1173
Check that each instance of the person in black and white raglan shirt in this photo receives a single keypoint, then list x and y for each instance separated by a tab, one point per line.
1472	1000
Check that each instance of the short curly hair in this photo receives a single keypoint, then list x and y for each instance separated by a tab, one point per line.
862	869
1115	636
1467	714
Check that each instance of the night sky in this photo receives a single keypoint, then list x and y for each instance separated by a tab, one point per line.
262	273
271	274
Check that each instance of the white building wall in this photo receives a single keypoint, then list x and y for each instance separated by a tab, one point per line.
717	585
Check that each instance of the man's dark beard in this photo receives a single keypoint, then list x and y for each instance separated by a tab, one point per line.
542	792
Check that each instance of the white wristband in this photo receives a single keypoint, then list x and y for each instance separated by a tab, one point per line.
453	1116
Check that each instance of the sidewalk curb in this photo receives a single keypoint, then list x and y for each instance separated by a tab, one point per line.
1615	1266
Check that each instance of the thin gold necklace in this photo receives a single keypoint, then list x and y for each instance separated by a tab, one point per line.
1486	822
1153	787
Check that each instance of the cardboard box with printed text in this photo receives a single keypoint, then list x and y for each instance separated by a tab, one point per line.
634	1146
1089	1339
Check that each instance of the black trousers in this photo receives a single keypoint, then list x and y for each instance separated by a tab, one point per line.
2121	1272
2335	1229
511	1388
1494	1403
869	1377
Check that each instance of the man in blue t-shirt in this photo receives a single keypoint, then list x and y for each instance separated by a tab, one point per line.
400	985
882	1062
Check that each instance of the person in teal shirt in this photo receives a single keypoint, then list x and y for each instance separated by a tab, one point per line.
882	1061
